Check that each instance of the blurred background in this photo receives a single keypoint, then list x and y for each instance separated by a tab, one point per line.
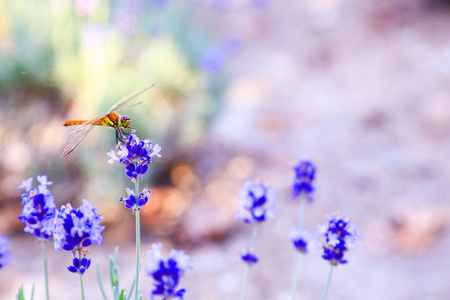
243	90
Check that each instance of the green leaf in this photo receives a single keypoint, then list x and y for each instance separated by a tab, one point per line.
99	279
20	295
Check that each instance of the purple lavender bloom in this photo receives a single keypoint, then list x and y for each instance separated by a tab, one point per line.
75	229
213	59
340	234
38	208
249	258
79	266
136	155
5	251
132	203
166	273
256	203
303	239
305	173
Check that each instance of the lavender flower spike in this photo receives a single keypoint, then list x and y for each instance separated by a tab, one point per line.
340	234
166	273
136	155
38	208
131	202
304	240
76	229
256	202
5	252
305	173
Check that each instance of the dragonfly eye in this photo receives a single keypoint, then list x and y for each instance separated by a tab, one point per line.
124	121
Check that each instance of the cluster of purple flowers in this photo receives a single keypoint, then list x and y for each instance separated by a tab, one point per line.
76	229
38	208
79	266
166	273
340	234
136	155
256	202
249	258
131	202
72	229
305	173
303	239
5	252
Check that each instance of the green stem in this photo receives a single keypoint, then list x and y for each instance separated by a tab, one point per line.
328	283
253	240
247	271
81	279
244	287
44	257
301	215
32	292
302	210
138	242
297	275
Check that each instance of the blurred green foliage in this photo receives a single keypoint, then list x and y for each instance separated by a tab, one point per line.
73	59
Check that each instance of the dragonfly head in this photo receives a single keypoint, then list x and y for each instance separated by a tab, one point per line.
124	121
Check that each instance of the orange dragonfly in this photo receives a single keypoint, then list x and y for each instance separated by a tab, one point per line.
110	119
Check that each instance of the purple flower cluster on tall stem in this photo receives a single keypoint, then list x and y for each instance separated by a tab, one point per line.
39	208
339	234
303	239
75	229
136	155
166	273
305	173
5	252
256	203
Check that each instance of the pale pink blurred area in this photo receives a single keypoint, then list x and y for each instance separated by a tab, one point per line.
359	87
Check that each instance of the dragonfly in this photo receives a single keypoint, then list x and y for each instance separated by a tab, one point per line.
111	119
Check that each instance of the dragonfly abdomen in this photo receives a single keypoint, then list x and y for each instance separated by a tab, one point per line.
74	122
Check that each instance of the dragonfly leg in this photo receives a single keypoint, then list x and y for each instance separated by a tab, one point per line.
120	135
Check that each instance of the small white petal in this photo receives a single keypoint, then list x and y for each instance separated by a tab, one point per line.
156	150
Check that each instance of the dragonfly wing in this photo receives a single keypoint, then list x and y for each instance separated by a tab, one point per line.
125	99
76	136
127	107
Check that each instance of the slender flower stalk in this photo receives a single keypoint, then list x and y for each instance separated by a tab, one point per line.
138	242
305	172
300	253
304	242
250	259
324	295
44	258
38	214
81	279
301	214
256	204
